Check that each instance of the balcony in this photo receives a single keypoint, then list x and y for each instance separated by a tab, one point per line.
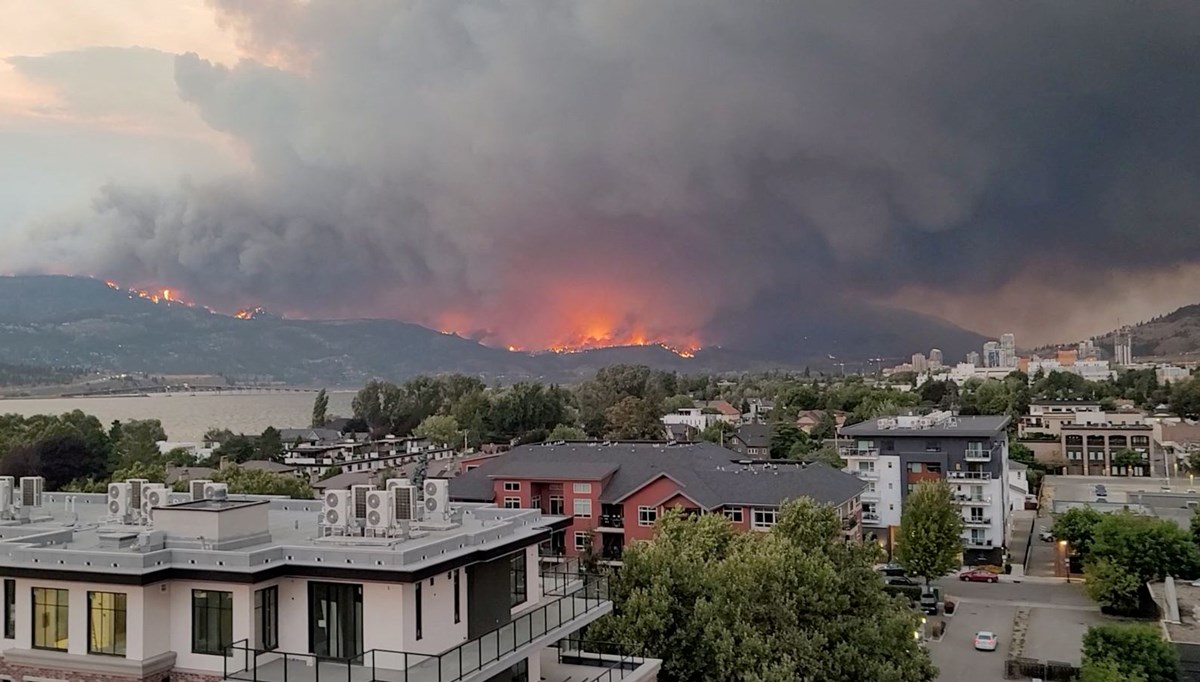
869	496
866	474
572	659
975	500
977	543
977	521
579	602
970	475
611	522
978	455
864	453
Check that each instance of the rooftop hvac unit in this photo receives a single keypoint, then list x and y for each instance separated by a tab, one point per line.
437	498
196	488
6	492
215	491
407	504
153	495
381	505
360	499
396	483
31	491
135	490
118	499
338	508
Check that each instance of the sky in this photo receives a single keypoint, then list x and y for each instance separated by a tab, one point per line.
583	172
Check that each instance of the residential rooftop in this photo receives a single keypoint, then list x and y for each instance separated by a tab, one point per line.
941	424
71	533
710	475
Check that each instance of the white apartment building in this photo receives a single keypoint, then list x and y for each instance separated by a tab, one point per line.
143	584
894	454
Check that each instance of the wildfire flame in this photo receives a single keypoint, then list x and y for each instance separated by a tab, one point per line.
249	313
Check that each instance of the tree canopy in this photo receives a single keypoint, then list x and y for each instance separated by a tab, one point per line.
1135	651
795	603
320	416
931	526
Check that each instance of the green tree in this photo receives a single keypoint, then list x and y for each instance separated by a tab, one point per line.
331	472
631	419
931	529
565	432
1078	526
63	459
826	455
1195	526
717	432
677	402
1111	585
796	603
1106	670
440	429
1136	650
784	437
825	428
1126	458
258	482
269	445
320	409
1148	548
152	471
1185	398
139	442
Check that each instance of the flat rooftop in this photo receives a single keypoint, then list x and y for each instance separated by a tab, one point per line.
1188	629
974	426
71	533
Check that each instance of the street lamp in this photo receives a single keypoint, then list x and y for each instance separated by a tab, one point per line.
1062	549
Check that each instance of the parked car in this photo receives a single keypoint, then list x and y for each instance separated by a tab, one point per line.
899	580
985	641
892	570
977	576
929	604
1046	536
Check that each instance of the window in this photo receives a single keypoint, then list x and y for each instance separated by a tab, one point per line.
647	516
761	519
933	446
734	514
420	616
512	503
266	618
212	622
581	540
106	623
556	505
520	671
49	619
512	486
535	503
582	488
457	599
914	467
10	608
583	508
518	575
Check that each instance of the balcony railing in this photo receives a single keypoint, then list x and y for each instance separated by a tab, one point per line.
870	453
867	474
977	521
612	521
972	499
586	595
978	455
869	495
615	660
970	475
977	543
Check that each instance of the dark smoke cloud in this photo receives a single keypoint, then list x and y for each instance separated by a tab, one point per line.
676	164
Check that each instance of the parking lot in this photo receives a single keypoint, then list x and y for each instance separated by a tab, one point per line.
1058	615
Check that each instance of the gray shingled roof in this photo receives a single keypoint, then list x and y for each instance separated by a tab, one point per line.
705	472
968	427
755	435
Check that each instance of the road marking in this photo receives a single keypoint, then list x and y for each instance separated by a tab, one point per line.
1029	604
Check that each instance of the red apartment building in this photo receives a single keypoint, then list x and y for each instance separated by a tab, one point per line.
615	492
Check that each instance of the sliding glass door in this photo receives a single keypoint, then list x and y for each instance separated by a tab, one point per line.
335	623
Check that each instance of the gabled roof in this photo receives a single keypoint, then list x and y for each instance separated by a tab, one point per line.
273	467
309	435
723	407
704	472
754	435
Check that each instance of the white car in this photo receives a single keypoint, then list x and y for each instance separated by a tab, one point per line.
985	641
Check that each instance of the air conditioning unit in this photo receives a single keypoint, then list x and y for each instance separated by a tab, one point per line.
118	499
359	493
6	492
31	491
135	489
196	488
153	495
381	506
396	483
437	499
215	491
407	503
338	508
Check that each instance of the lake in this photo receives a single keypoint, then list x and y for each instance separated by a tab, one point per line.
186	416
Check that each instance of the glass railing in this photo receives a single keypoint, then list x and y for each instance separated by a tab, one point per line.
576	597
617	661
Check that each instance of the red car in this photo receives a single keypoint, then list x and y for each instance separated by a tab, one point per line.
976	576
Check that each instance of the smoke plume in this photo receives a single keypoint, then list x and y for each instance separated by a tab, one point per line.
542	173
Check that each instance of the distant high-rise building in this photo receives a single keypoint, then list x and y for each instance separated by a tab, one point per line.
1008	351
973	358
935	358
991	354
1123	347
919	364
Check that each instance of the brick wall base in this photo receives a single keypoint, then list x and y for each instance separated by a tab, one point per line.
20	673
